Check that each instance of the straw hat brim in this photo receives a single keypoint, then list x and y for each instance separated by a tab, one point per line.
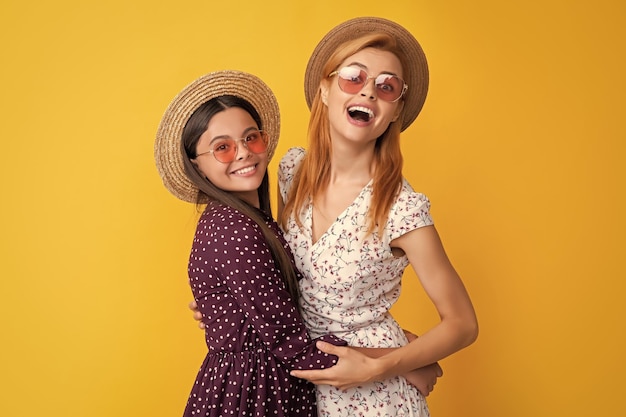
167	147
416	79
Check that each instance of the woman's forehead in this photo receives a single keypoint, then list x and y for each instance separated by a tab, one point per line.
375	60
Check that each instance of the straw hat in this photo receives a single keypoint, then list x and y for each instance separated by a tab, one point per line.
417	78
167	147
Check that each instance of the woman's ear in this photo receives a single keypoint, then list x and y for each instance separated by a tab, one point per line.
324	93
398	111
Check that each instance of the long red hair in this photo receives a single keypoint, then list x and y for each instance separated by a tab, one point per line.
313	174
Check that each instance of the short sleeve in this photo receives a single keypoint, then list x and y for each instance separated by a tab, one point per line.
410	211
287	169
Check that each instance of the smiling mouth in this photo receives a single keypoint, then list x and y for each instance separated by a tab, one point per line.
244	170
359	113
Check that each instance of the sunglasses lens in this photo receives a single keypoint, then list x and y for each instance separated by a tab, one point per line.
225	150
388	87
256	142
351	80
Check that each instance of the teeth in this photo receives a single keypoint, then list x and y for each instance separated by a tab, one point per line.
244	170
362	109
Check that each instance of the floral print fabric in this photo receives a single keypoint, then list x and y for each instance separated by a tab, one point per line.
350	281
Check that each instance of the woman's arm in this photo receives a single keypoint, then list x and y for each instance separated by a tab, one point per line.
424	378
457	328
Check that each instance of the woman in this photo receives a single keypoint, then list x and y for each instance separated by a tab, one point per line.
213	147
354	223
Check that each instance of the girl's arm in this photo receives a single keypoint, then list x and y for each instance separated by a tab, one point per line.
249	279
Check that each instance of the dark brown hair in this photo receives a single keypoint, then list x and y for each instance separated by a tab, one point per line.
211	194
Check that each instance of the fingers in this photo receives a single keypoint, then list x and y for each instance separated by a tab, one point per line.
197	315
321	377
339	351
328	348
438	374
438	370
409	335
311	375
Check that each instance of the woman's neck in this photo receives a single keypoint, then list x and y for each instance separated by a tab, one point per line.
350	164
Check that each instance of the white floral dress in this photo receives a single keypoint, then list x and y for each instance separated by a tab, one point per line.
350	282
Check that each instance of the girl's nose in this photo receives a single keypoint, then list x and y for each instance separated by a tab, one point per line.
242	150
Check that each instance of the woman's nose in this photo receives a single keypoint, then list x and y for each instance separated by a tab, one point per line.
369	89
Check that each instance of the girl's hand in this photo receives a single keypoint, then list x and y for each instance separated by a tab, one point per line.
409	335
425	378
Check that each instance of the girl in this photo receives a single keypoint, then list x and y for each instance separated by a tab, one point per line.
213	147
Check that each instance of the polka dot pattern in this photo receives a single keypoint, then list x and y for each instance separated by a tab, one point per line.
254	332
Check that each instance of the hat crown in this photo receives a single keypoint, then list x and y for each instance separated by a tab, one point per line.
413	57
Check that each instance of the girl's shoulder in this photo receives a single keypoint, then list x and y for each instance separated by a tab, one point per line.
221	217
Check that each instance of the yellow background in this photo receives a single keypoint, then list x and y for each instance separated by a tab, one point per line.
520	148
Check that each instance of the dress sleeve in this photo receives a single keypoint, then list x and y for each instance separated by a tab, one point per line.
410	211
287	169
255	284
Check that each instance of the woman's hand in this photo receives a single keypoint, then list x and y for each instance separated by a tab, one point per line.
353	368
197	315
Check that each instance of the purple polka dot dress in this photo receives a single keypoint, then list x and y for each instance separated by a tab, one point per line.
254	332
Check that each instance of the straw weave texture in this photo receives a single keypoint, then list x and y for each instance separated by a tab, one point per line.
417	77
167	147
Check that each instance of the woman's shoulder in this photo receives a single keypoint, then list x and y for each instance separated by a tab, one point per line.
407	192
411	210
292	157
411	203
287	168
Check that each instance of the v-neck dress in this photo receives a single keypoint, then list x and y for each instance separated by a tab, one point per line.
350	281
254	332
